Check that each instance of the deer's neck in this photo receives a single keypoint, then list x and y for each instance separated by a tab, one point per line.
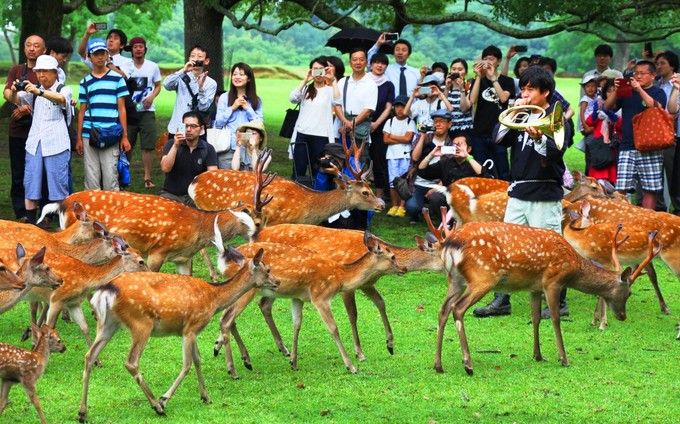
356	274
99	275
594	280
42	351
226	293
325	204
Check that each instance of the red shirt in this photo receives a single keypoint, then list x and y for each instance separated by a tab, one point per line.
15	73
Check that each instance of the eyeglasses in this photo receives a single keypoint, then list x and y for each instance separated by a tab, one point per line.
642	73
193	126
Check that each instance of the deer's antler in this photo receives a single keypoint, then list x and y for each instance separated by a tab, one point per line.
262	180
653	249
615	245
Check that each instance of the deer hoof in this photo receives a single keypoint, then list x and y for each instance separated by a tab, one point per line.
205	399
284	351
538	358
665	310
438	369
248	365
26	334
82	417
390	349
216	351
233	374
564	362
361	357
468	369
352	369
293	365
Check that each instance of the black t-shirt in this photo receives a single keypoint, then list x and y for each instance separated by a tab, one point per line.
488	106
188	165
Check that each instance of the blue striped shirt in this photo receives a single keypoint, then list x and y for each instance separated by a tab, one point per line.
102	108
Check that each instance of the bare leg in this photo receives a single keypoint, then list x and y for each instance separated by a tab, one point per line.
188	341
536	323
553	299
379	302
266	309
324	308
349	299
296	309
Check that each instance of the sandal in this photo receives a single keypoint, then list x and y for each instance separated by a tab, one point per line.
148	184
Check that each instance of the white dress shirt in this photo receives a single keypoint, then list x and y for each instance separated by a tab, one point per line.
393	73
49	127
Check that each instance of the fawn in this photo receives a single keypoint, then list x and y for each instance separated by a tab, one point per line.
26	367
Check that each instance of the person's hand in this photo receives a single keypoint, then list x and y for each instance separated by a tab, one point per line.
308	76
374	126
330	74
31	88
79	146
423	71
587	128
240	102
461	153
635	85
435	90
416	92
91	29
675	80
479	68
489	71
147	102
521	101
125	144
381	39
21	111
534	133
188	66
511	53
437	151
180	138
201	79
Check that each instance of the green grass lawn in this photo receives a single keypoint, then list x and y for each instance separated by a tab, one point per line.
624	374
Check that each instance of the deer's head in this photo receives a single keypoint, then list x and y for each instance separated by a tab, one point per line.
132	260
34	271
386	260
261	273
360	195
8	279
45	332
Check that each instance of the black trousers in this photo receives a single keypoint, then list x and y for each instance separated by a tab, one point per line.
378	152
17	161
315	145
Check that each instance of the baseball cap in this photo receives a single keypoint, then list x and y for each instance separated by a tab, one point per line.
95	45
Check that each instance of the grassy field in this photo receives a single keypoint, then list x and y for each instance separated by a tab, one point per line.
624	374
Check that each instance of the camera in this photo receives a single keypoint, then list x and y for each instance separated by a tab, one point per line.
521	49
318	72
449	150
21	84
426	126
198	63
454	75
244	138
425	91
391	36
100	26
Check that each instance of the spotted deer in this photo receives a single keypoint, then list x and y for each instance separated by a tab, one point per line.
26	367
481	257
152	304
305	275
290	202
161	229
83	229
33	272
346	246
8	279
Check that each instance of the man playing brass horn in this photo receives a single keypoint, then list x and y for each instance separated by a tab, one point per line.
536	168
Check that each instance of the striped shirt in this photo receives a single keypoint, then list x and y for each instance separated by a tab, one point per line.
460	121
104	92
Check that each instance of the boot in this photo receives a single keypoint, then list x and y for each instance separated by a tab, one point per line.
500	305
564	310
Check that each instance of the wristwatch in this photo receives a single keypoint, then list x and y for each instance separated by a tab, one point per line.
493	80
41	92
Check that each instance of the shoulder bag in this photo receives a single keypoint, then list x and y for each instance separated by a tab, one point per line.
102	138
653	129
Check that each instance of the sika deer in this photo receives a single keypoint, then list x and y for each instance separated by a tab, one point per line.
26	367
306	276
161	229
154	304
481	257
346	246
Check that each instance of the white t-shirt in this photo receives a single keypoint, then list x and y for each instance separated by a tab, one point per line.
145	79
316	116
590	102
361	94
397	126
421	109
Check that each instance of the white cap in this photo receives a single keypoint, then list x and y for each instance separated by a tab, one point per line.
611	74
587	78
46	62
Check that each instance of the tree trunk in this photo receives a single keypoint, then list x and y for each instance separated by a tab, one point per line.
42	17
203	26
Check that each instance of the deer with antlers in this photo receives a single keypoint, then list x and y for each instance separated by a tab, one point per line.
306	275
481	257
291	202
346	246
161	229
26	367
154	304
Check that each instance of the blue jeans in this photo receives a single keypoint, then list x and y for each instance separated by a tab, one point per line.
484	148
414	205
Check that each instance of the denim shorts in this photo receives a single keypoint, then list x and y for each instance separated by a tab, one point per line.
55	168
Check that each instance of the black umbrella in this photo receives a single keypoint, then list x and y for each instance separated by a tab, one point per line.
347	39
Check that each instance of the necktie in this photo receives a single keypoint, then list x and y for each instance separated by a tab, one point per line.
402	82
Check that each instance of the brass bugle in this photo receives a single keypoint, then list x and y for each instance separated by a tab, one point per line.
551	125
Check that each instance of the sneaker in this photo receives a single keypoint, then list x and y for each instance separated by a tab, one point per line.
400	212
500	305
392	211
564	311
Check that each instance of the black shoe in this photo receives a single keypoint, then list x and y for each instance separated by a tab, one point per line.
564	311
500	305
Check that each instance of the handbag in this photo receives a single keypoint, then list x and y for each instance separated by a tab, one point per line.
653	129
600	155
404	184
219	138
288	125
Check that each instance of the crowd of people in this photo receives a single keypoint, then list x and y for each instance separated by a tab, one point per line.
421	127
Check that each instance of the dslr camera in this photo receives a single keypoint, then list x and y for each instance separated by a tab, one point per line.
21	84
426	126
454	75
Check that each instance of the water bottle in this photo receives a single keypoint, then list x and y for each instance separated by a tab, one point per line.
123	170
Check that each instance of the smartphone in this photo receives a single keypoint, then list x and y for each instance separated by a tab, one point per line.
521	49
425	91
391	36
648	48
100	26
244	138
318	72
624	89
449	150
181	128
198	63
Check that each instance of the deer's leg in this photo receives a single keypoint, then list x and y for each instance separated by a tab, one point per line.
225	328
4	393
79	318
443	318
188	341
199	373
183	267
53	311
214	275
536	323
651	273
379	302
266	309
324	308
34	309
43	313
105	330
245	356
552	296
296	310
467	299
349	299
29	387
140	336
154	261
600	314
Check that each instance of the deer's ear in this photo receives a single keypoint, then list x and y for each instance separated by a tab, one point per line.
625	275
257	259
39	257
21	252
79	211
371	242
100	229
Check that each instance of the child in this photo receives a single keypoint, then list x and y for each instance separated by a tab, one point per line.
589	84
245	157
602	143
398	132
